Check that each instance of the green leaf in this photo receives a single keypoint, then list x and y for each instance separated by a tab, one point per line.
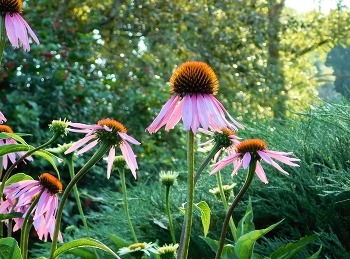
17	178
204	210
246	225
227	251
315	255
82	253
10	215
83	242
9	249
16	136
11	148
119	241
289	250
48	156
245	244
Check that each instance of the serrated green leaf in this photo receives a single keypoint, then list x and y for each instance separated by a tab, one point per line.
204	210
120	242
246	225
83	242
48	156
17	178
289	250
245	244
315	255
9	249
227	252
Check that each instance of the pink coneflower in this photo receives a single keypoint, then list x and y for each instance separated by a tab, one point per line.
255	149
106	130
194	84
225	137
21	195
11	156
16	26
2	118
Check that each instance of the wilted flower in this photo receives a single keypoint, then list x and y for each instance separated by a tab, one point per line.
194	84
225	137
16	26
255	149
19	196
108	130
138	249
7	141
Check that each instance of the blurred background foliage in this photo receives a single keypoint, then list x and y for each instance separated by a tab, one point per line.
113	59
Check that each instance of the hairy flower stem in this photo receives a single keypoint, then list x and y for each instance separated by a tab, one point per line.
248	181
125	196
104	147
13	166
224	201
212	153
187	225
26	227
2	34
167	204
77	199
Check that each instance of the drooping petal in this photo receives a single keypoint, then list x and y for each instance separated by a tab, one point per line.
21	31
187	111
282	158
203	112
175	117
110	161
236	166
264	156
79	143
88	147
224	162
129	157
246	160
128	138
195	117
228	115
261	173
279	168
31	32
11	30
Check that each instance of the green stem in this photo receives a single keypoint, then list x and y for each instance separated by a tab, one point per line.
19	160
2	35
167	204
125	196
104	147
248	181
26	226
185	238
212	153
224	201
77	199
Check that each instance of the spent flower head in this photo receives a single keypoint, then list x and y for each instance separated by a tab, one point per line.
255	149
59	127
20	196
107	131
228	191
16	27
9	141
168	251
139	249
119	163
168	178
194	85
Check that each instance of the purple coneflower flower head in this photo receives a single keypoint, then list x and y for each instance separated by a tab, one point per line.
7	141
16	27
255	149
225	137
194	84
106	130
21	195
2	118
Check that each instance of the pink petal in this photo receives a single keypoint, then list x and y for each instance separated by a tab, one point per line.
130	157
128	138
261	173
203	111
236	166
110	161
31	32
277	166
21	31
187	111
264	156
174	117
246	160
78	144
11	30
195	116
88	147
282	158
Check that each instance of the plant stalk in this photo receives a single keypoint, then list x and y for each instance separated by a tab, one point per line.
167	204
